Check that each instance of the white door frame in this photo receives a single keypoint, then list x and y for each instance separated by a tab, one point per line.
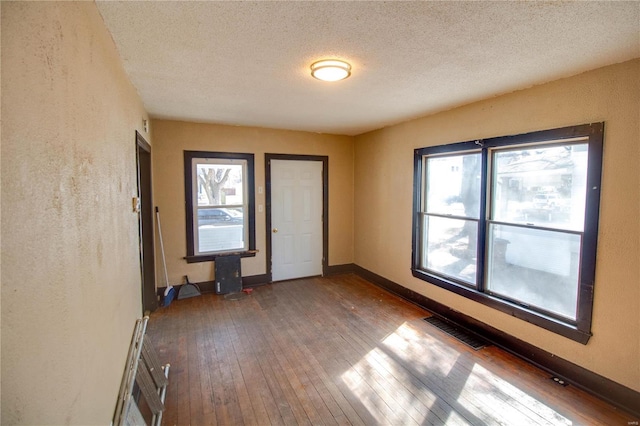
325	204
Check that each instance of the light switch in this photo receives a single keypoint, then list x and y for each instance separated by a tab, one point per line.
259	208
135	204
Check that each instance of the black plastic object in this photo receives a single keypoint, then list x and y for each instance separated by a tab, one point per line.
228	276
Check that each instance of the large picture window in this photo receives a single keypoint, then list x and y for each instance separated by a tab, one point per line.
219	204
512	222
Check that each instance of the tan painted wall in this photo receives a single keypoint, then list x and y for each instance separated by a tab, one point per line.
71	283
171	138
383	205
71	275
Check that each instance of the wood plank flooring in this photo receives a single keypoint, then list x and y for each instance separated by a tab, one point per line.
338	351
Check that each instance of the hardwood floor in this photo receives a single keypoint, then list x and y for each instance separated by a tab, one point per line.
340	350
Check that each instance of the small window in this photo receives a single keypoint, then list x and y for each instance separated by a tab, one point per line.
219	204
512	222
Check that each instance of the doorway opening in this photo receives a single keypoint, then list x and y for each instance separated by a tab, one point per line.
145	225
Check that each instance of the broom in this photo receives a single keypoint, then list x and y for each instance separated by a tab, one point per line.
169	292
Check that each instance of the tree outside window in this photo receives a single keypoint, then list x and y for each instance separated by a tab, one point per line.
219	192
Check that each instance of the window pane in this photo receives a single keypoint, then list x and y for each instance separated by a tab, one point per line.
449	247
220	229
545	186
535	267
220	184
453	185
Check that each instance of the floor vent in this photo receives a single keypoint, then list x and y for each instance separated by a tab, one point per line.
460	334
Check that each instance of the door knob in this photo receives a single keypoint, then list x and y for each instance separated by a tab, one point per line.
275	230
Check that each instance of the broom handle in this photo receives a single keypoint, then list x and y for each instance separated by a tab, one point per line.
164	262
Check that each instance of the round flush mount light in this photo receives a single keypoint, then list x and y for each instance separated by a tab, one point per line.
330	70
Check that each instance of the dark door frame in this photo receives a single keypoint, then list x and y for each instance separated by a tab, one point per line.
325	204
145	225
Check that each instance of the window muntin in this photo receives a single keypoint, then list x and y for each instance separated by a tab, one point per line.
220	202
536	229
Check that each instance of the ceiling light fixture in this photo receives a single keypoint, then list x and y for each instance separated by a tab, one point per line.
330	70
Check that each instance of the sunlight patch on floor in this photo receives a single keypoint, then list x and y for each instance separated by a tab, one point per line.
420	349
501	398
380	372
373	382
455	419
440	385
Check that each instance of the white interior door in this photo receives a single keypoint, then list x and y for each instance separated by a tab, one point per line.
296	219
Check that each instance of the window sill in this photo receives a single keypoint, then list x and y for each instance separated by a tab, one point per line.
554	325
212	257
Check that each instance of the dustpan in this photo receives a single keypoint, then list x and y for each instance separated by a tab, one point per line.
188	290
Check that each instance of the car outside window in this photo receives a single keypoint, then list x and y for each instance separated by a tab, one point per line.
219	204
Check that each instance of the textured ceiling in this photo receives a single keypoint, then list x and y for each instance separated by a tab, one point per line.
247	63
